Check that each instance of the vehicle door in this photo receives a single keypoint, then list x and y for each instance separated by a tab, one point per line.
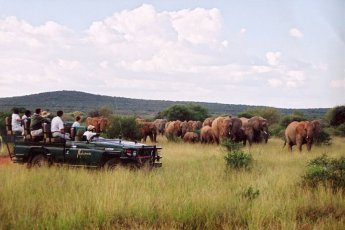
79	154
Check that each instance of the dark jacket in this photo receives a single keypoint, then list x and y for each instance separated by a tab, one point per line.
37	121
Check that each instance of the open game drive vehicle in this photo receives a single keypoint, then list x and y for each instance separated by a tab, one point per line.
99	152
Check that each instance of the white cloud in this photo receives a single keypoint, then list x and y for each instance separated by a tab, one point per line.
338	83
294	32
275	83
144	53
273	58
295	78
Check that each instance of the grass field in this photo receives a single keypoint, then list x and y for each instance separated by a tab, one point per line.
193	190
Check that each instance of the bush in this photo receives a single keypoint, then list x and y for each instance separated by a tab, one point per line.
326	171
184	112
250	193
125	127
340	130
230	145
277	130
323	138
239	159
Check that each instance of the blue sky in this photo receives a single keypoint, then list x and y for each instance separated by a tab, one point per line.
276	53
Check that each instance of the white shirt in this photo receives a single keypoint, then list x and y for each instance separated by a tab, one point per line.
16	125
89	135
75	124
56	124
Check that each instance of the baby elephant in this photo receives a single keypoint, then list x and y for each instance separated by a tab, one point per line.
191	137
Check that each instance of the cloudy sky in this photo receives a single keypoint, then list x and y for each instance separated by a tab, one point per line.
281	53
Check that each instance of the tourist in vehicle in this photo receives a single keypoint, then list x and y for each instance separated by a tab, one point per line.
57	126
16	122
37	120
89	133
26	116
76	123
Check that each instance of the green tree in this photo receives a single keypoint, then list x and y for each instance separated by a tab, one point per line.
103	111
296	116
336	116
185	112
124	126
271	114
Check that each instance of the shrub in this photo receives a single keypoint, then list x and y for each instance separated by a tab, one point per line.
340	130
326	171
239	159
250	193
323	138
230	145
277	130
185	112
336	115
125	127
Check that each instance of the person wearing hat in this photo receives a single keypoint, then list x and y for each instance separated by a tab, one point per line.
57	127
37	120
89	133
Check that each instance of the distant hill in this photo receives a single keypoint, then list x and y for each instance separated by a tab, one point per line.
70	101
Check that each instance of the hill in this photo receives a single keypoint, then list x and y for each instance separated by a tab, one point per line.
71	101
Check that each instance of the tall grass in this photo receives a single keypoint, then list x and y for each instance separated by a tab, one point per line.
193	190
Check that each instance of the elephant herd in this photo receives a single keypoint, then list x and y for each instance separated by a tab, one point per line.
215	130
212	130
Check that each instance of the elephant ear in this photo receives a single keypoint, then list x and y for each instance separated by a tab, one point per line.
317	126
301	128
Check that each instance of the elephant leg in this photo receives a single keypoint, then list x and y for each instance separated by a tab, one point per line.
299	146
290	146
151	137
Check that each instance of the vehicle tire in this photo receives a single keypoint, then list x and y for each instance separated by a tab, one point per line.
39	161
111	164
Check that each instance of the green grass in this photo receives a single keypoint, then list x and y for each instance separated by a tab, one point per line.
193	190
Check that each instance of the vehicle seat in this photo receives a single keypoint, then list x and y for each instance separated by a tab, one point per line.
27	131
47	135
79	131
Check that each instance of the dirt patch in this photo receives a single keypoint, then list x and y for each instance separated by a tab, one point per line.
4	160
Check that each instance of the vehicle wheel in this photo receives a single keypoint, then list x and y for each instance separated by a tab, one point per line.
111	164
39	161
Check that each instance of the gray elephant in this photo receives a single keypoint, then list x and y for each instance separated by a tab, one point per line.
236	130
299	133
221	128
207	135
160	125
260	128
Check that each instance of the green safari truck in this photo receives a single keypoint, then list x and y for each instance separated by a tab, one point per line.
97	153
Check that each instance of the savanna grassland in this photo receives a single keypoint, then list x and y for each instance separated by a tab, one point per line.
193	190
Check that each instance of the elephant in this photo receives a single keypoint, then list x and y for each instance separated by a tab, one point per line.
191	137
148	129
221	128
236	131
194	125
160	125
303	132
207	135
173	129
100	123
208	121
260	128
184	128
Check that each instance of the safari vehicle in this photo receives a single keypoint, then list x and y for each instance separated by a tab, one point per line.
97	153
107	153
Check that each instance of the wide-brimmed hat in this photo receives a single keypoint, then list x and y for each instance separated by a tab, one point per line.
90	127
45	114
